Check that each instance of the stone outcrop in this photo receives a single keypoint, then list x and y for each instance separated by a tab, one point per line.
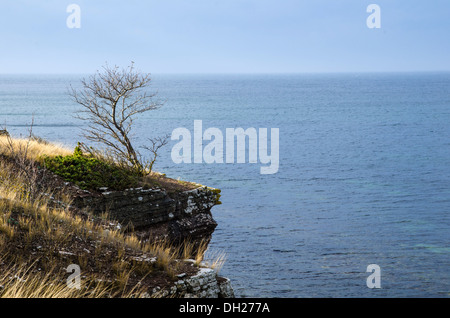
159	214
205	284
156	213
176	215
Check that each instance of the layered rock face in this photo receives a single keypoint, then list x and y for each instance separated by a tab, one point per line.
156	213
205	284
176	216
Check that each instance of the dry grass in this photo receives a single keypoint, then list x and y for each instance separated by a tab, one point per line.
24	282
42	239
36	148
214	259
20	282
39	241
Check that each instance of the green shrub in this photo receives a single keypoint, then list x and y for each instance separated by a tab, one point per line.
90	173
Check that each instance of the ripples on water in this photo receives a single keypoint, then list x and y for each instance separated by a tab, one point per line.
364	174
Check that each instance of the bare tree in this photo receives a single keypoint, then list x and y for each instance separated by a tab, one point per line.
156	143
110	100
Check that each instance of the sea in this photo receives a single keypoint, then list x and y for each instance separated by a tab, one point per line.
363	179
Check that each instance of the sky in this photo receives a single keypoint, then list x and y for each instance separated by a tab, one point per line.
225	36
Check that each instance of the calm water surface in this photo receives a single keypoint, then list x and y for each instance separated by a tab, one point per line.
364	174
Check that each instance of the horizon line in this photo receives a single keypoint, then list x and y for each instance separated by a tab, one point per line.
243	73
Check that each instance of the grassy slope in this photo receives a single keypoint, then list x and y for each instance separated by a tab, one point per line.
38	242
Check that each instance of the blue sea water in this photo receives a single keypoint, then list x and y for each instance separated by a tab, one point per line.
364	174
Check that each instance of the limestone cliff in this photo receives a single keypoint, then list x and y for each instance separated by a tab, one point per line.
157	213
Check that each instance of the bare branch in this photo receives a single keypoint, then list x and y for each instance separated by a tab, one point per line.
155	145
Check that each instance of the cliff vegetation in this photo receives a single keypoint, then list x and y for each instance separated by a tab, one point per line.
41	236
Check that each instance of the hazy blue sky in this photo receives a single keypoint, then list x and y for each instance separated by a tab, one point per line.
222	36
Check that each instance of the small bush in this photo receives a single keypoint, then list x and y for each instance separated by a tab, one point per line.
90	173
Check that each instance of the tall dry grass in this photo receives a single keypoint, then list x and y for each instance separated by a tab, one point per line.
32	231
36	147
